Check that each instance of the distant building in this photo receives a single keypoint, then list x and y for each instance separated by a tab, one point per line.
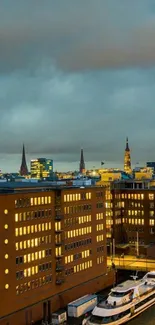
141	173
82	163
127	159
23	168
113	175
151	164
41	168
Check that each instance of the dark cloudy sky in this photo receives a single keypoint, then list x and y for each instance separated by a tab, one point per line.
77	73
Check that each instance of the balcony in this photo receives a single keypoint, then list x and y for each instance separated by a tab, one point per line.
58	217
60	243
59	268
60	281
58	231
58	257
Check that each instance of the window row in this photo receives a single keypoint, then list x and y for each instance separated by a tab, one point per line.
30	215
99	216
134	196
99	227
32	229
133	204
78	268
41	268
77	197
77	209
84	254
99	238
35	242
100	249
133	221
78	244
77	232
100	259
30	285
77	220
135	213
27	258
27	202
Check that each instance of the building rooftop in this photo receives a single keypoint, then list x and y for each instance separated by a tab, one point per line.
16	187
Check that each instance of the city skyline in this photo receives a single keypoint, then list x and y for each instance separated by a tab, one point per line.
65	85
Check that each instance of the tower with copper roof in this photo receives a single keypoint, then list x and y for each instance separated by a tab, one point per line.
127	159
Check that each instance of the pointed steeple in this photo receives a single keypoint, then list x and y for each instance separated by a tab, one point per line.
127	159
127	145
23	168
82	163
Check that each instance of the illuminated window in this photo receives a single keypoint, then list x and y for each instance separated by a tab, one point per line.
46	200
29	271
20	231
6	271
151	196
6	286
5	226
39	201
6	241
31	200
6	256
16	217
5	211
17	246
16	232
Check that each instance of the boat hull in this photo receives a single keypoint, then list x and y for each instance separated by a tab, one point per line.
128	317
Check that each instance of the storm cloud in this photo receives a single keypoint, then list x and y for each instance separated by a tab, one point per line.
77	74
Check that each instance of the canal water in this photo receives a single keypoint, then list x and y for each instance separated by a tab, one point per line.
146	318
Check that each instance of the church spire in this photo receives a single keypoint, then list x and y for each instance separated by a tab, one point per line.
127	145
23	168
127	159
82	163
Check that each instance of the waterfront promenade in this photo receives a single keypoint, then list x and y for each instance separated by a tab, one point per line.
129	262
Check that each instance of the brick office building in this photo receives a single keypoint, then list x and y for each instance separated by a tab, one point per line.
133	210
53	249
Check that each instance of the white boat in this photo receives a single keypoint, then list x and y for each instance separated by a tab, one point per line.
126	301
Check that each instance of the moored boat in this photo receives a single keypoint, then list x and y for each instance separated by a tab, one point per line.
125	301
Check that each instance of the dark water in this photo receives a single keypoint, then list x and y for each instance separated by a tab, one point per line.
146	318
